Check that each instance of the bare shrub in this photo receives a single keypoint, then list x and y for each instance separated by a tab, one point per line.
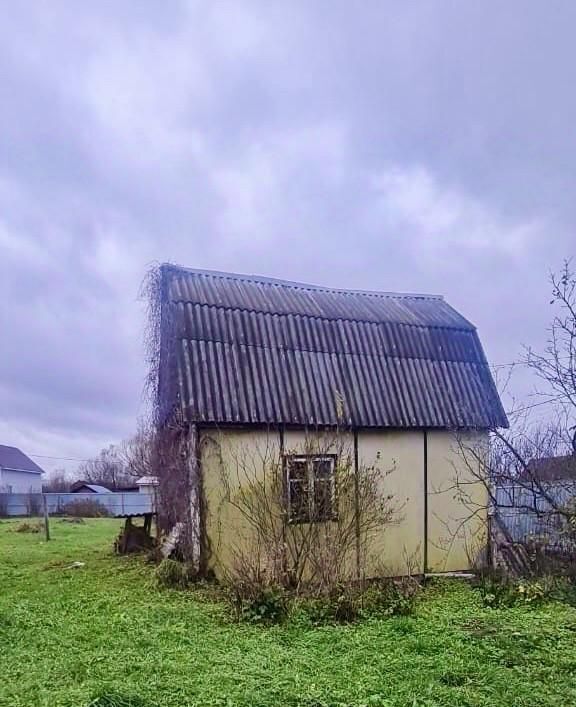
347	603
26	527
73	520
33	504
308	551
56	481
85	508
262	604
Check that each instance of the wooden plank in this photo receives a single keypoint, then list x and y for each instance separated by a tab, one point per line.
46	520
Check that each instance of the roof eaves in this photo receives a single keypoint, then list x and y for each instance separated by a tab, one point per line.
26	471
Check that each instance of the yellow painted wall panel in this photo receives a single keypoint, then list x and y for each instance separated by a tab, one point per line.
398	548
231	458
457	501
232	461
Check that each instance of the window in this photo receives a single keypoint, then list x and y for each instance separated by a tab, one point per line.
311	488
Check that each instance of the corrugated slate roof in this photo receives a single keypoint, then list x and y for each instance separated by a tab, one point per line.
96	488
13	459
252	350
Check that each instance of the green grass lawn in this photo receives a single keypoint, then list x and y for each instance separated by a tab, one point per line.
69	636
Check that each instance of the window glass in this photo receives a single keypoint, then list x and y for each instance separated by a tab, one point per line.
311	488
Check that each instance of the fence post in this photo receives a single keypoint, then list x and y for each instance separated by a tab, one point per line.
46	522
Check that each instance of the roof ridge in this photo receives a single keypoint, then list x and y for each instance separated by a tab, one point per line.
264	280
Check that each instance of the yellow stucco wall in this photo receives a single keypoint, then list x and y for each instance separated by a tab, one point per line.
301	442
457	501
232	460
241	455
399	548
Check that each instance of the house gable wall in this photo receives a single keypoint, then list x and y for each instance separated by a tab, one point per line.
20	481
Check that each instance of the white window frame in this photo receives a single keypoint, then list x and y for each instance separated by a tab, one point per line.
309	460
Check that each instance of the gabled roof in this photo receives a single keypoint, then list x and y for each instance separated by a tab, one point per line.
94	488
13	459
147	481
252	350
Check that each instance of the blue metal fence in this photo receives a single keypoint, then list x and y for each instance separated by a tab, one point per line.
116	504
526	513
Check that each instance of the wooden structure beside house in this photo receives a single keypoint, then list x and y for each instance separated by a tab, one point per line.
252	368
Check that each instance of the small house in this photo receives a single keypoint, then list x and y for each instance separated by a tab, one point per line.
18	473
85	487
310	380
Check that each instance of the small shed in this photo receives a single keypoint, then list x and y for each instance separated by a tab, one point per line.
147	484
297	381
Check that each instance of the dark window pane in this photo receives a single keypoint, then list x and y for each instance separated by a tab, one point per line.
323	497
299	500
323	468
298	489
298	469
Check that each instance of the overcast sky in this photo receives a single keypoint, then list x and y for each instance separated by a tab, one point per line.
414	146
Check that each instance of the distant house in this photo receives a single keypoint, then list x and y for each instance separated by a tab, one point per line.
561	468
18	473
252	368
84	487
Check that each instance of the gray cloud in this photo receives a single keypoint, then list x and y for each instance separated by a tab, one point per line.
413	146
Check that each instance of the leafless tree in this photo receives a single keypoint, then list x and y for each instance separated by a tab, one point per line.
107	469
120	465
531	467
56	481
556	366
136	453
